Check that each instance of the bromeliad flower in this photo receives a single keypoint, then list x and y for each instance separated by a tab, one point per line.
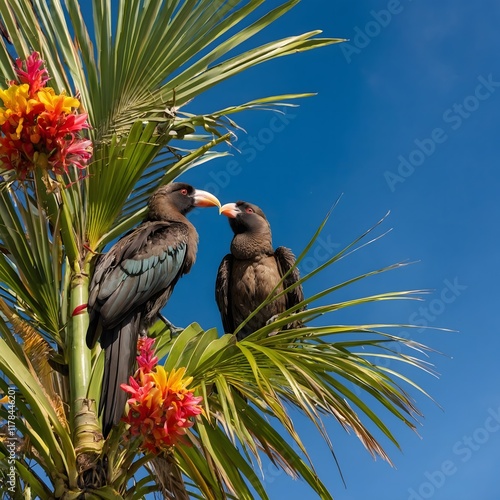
39	128
161	405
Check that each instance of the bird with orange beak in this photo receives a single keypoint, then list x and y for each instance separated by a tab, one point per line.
252	271
134	280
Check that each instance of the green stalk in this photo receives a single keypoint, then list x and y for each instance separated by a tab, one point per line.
84	422
79	354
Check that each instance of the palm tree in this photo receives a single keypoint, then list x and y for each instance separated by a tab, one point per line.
133	68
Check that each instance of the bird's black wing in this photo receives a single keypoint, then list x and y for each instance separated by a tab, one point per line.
223	293
130	284
286	260
147	261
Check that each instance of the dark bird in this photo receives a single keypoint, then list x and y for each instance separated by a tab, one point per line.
251	271
134	280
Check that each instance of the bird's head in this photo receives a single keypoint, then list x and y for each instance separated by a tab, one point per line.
245	218
181	197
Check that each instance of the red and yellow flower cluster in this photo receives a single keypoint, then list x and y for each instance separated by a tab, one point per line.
161	405
39	128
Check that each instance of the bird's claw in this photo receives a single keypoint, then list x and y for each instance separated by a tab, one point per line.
174	330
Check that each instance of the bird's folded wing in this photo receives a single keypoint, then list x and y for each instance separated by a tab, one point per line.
223	293
286	260
146	262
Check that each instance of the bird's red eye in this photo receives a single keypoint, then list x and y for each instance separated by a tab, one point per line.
249	210
184	191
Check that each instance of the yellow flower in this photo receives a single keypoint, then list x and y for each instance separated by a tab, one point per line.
57	103
15	97
15	101
172	381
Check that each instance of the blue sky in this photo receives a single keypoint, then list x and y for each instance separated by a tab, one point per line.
406	120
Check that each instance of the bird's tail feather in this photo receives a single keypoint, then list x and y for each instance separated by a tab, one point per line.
120	345
93	331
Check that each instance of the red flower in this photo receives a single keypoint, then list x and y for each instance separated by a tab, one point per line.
40	128
161	406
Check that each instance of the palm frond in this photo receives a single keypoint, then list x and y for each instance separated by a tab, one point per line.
41	424
28	272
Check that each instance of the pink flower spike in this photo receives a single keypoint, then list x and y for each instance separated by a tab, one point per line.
34	76
145	344
146	359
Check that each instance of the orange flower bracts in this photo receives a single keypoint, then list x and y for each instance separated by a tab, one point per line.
39	128
161	405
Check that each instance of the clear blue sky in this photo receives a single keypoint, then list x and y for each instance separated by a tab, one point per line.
406	120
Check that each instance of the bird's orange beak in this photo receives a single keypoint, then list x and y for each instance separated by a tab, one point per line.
229	210
205	199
